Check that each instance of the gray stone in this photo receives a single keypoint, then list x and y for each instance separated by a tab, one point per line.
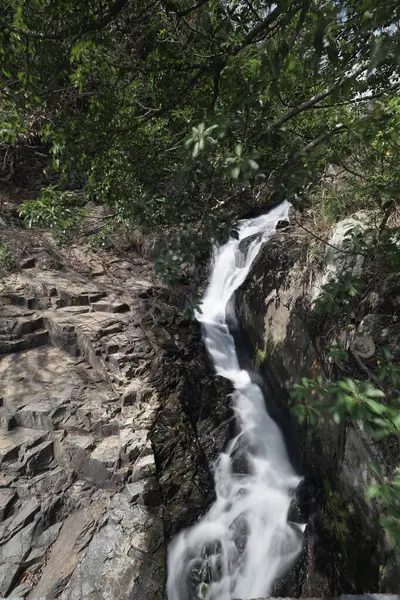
66	551
39	458
8	574
145	492
14	441
108	451
7	496
138	444
110	307
21	591
34	416
145	466
24	326
48	537
23	516
384	330
124	560
18	547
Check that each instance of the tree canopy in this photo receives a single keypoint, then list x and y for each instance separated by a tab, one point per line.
177	111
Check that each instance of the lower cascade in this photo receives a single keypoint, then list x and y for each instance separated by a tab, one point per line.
244	542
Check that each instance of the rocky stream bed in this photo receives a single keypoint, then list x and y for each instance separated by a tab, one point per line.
111	418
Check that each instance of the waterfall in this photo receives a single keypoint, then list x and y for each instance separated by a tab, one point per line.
244	542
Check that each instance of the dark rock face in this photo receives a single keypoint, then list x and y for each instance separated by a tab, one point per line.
345	548
110	418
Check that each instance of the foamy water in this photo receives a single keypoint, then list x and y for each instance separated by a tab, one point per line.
244	542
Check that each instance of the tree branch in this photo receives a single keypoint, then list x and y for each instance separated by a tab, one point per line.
379	94
339	128
184	13
273	15
312	101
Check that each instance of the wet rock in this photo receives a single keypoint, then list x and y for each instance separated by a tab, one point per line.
275	308
305	502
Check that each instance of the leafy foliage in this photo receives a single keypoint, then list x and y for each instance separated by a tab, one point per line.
351	400
337	295
388	494
345	399
172	111
53	209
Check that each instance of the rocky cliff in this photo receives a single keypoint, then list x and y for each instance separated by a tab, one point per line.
345	548
110	416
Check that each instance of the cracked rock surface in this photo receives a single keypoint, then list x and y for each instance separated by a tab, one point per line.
110	419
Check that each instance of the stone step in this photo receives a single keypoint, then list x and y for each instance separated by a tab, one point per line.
15	326
26	342
15	443
66	298
110	306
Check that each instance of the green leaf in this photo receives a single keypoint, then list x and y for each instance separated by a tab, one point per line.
348	385
373	492
375	406
238	149
235	172
253	164
374	392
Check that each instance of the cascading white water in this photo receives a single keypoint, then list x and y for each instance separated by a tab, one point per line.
244	542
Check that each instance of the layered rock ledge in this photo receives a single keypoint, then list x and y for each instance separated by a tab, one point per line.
109	418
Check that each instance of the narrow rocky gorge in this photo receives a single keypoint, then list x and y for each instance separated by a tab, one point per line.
112	418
